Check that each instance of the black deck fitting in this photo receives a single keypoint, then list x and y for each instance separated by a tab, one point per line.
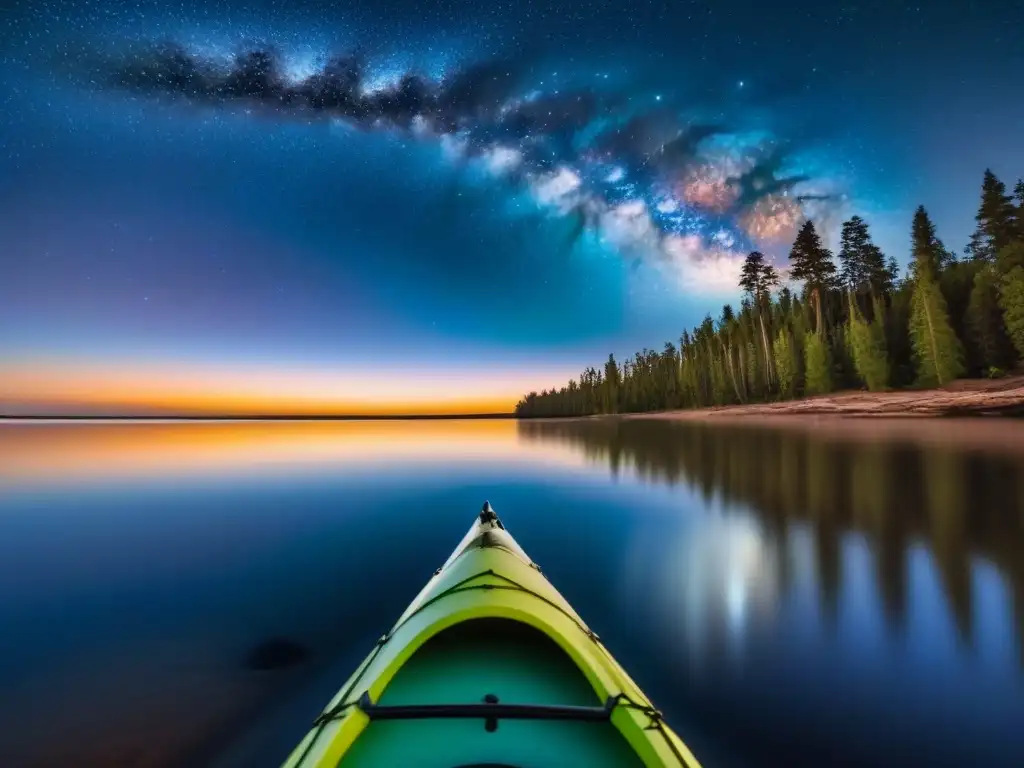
487	514
489	711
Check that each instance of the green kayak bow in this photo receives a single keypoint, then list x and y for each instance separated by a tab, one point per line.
490	667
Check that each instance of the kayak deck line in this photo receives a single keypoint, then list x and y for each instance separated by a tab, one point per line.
491	709
354	709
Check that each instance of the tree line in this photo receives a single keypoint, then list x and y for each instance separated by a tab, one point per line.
856	323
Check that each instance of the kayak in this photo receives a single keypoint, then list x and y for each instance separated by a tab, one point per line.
490	667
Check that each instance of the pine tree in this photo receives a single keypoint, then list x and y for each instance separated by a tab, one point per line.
610	392
750	273
1009	257
863	265
956	284
817	365
726	337
985	322
937	351
811	262
1012	302
880	280
997	220
897	334
867	347
1010	268
669	376
927	251
757	278
787	362
854	242
892	275
785	304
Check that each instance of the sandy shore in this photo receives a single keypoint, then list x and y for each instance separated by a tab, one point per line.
962	398
915	416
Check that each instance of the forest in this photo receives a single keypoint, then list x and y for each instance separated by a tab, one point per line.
855	324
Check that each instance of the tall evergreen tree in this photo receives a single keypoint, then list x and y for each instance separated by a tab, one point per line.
787	362
750	272
880	279
937	350
727	332
612	379
892	275
997	220
1009	257
1011	299
927	251
853	243
769	280
863	265
1010	267
785	303
985	322
867	346
757	278
811	262
817	364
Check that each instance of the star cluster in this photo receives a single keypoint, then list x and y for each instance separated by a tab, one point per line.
644	173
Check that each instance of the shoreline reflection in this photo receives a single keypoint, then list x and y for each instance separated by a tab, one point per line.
965	506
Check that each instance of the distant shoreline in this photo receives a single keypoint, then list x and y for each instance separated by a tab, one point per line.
275	417
985	416
991	399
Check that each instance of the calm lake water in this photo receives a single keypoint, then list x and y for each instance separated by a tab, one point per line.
784	596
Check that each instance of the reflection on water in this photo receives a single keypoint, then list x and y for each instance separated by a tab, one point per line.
783	595
75	454
961	505
848	591
142	563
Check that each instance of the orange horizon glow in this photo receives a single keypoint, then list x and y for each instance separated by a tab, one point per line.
164	389
52	455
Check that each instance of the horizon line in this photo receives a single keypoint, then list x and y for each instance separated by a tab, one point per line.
255	417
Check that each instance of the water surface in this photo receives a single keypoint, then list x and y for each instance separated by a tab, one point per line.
782	595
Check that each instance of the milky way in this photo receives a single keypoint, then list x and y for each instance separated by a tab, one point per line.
638	170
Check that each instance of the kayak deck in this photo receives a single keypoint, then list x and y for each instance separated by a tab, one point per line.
515	664
490	666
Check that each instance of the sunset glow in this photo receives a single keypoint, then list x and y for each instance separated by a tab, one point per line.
47	388
62	454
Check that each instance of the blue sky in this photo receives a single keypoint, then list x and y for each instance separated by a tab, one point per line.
590	187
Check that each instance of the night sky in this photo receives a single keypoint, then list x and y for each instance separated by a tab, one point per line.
338	207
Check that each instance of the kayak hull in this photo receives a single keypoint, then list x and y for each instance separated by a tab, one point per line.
490	665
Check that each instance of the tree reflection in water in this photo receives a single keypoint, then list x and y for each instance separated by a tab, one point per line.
960	504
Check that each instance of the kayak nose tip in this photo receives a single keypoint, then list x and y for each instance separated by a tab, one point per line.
487	513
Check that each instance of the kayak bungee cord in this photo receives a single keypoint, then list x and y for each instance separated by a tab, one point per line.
620	699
